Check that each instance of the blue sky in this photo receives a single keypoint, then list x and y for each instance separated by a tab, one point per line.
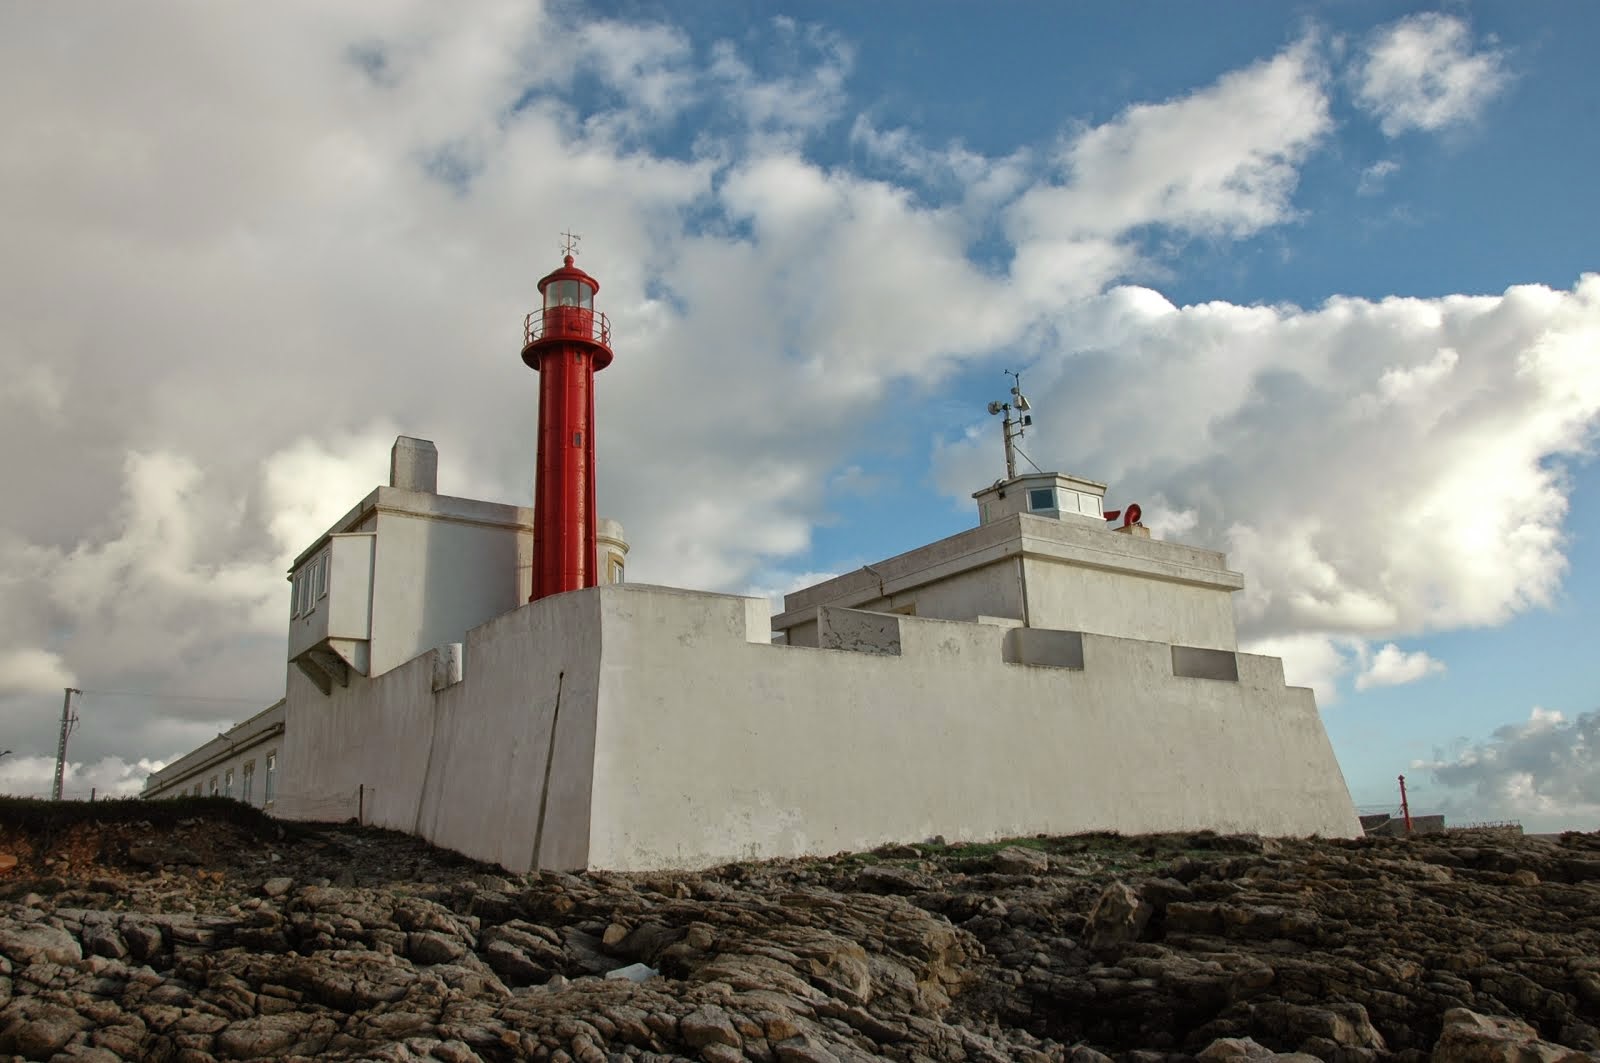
1306	280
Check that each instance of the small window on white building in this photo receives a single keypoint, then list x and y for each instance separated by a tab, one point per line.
227	783
249	778
213	791
322	575
1041	498
615	566
269	790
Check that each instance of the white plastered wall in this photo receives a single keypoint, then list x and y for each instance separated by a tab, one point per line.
712	747
464	766
438	575
1071	597
684	739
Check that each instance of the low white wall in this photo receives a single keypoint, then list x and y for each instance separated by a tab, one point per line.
711	749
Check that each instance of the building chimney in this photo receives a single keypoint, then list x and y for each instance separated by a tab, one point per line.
414	465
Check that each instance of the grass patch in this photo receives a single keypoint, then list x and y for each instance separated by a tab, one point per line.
39	820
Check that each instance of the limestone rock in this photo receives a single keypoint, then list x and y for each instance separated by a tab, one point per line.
1469	1037
38	943
1118	917
1019	860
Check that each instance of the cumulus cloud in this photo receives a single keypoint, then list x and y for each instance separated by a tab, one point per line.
1392	666
30	670
1223	160
34	776
317	228
1376	468
1426	73
1544	771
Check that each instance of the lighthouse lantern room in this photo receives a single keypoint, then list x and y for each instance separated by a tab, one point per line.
567	342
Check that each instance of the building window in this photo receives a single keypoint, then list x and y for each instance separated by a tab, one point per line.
227	783
614	563
213	786
249	792
270	787
323	564
1041	498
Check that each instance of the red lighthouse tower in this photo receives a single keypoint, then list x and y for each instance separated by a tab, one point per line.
567	342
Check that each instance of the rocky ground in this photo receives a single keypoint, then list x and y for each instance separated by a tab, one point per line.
212	936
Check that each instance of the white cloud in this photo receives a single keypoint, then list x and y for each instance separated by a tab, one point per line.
1392	666
1220	161
259	243
34	776
33	671
798	100
1309	660
1423	72
1544	772
1376	468
1374	176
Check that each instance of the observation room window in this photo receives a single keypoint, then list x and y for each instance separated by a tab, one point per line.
1041	498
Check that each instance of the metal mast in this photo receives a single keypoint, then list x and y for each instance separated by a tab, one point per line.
1016	421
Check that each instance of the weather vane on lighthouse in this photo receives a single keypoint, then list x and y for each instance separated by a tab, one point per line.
569	244
567	342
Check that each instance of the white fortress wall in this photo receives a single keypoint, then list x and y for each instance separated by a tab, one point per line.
713	747
633	727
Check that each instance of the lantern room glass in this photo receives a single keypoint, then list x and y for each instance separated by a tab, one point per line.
568	293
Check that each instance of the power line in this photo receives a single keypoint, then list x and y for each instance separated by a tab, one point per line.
173	697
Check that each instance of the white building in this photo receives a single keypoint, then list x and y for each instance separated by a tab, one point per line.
241	762
1041	672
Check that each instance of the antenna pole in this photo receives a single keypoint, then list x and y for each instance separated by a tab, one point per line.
1009	427
1405	806
68	720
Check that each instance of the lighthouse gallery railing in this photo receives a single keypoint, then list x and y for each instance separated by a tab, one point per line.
566	322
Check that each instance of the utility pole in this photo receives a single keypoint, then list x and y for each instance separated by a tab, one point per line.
1405	806
68	722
